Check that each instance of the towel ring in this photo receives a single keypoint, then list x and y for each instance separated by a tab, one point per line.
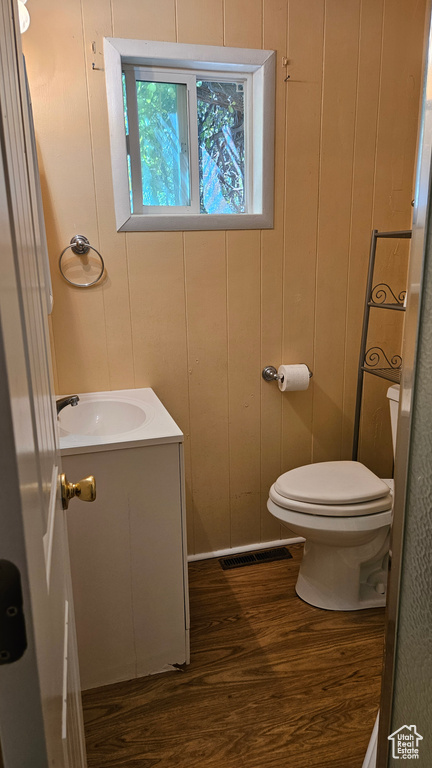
80	245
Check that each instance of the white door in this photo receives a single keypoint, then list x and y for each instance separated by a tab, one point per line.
40	706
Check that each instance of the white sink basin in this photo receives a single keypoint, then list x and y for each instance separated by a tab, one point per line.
99	417
106	421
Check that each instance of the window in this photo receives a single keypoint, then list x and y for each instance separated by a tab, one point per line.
186	140
191	132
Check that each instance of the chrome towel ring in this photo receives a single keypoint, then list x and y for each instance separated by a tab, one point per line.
80	245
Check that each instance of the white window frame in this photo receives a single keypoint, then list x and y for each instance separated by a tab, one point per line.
189	61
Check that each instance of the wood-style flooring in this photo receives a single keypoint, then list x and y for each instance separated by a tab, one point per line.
273	683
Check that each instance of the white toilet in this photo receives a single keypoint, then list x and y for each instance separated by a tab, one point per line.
344	512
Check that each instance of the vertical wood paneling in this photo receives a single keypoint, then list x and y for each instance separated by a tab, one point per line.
336	170
243	23
157	300
145	19
397	127
243	259
275	17
243	28
159	331
97	24
208	386
394	177
303	122
371	21
200	22
60	104
394	189
197	315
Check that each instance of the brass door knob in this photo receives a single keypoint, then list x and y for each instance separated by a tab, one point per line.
84	490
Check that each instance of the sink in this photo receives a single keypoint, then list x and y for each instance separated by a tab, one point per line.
102	417
106	421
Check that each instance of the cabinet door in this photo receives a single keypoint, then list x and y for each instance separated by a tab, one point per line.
157	560
127	564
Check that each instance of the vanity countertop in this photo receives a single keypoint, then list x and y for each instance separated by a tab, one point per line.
108	421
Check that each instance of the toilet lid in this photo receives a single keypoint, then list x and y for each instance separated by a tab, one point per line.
331	483
362	509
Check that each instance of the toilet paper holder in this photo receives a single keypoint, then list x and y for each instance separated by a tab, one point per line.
270	373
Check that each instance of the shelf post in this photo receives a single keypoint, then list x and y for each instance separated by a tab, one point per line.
363	344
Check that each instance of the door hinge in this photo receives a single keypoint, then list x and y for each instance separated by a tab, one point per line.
13	638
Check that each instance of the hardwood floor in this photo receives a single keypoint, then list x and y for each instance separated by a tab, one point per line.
273	682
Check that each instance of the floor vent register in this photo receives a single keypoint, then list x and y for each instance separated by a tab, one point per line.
252	558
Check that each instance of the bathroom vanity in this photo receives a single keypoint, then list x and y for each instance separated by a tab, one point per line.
128	548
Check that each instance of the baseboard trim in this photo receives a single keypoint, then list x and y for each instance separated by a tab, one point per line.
247	548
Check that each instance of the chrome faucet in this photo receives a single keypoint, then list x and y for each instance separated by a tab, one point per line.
64	401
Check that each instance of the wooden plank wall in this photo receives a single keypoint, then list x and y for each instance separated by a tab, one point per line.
197	315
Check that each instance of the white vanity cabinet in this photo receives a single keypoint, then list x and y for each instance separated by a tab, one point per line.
128	552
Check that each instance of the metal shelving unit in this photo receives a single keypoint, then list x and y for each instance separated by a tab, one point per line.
374	360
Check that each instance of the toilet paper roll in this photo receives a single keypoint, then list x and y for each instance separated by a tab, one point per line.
294	378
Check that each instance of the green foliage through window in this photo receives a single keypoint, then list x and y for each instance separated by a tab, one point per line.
162	123
164	142
221	141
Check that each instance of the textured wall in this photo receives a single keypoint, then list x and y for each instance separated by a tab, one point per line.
196	315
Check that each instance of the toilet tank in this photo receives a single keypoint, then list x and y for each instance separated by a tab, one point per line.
393	396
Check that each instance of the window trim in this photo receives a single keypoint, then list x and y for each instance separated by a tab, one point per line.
259	64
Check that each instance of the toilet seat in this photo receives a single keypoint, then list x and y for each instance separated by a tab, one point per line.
332	489
332	510
305	524
332	482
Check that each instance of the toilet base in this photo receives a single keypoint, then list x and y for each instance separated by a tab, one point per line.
338	579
